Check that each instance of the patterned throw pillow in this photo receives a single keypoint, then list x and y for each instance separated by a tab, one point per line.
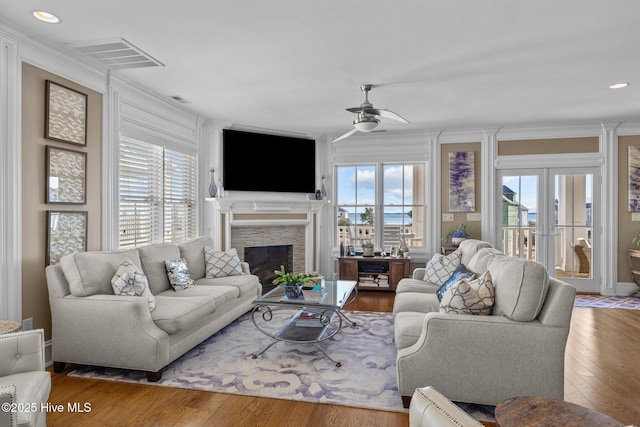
470	296
131	282
178	274
221	264
440	268
460	273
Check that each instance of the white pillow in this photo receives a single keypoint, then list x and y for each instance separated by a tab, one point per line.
131	282
470	296
440	267
221	264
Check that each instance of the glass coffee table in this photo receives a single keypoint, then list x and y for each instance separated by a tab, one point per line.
312	319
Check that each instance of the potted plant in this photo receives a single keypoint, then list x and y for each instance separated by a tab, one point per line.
367	249
459	234
292	282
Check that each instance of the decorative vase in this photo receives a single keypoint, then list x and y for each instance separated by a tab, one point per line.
367	251
213	190
323	189
293	291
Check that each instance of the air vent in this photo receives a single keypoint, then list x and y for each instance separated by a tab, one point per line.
116	54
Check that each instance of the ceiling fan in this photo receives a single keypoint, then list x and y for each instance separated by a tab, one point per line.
368	117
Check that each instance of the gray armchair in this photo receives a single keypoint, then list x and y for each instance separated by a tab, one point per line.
24	383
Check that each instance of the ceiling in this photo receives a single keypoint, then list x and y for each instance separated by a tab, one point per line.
295	65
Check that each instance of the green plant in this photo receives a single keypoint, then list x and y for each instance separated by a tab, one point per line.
283	278
368	245
635	238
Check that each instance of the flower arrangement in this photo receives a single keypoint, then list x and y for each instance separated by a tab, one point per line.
458	234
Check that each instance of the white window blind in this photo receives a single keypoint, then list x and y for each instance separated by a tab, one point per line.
179	196
157	190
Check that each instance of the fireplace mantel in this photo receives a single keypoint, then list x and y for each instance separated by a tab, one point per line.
222	215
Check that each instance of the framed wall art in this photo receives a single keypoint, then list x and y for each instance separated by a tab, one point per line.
634	178
462	194
65	114
66	234
66	176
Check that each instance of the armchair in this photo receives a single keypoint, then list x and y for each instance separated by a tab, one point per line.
23	379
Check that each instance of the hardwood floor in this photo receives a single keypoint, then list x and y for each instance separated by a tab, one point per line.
602	372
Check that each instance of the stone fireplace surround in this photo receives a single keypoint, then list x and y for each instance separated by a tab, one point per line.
238	223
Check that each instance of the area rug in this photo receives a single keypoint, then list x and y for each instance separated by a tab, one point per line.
223	363
604	301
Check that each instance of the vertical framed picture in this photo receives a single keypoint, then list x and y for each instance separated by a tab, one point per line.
66	234
66	176
65	114
634	178
462	181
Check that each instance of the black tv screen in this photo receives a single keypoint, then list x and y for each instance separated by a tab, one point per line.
261	162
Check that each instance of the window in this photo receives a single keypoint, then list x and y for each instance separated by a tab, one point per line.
382	211
157	194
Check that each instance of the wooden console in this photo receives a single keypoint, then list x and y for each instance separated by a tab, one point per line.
374	273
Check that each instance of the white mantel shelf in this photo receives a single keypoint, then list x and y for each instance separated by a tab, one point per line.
266	205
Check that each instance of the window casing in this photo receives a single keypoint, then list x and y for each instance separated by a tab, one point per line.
157	194
380	203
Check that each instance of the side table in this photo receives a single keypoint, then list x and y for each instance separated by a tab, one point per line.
538	411
8	326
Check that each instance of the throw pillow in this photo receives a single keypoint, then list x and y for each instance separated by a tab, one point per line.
178	274
129	281
470	297
221	264
440	268
460	273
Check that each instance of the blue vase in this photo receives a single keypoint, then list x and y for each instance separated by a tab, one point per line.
293	291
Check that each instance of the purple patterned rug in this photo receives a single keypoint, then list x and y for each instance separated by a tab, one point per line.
223	363
605	301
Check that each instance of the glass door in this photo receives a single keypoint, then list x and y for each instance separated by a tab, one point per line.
548	216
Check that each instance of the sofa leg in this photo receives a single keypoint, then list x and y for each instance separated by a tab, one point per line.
406	401
153	377
58	367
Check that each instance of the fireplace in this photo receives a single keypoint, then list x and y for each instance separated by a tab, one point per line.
264	259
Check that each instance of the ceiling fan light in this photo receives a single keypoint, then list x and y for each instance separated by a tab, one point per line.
366	126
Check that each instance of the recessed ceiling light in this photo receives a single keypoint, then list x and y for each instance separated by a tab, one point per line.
618	85
46	17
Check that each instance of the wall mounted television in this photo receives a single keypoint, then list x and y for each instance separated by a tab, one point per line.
262	162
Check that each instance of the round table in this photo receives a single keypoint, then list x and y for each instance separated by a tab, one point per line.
8	326
537	411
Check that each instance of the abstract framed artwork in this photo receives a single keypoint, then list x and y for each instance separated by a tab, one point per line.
65	114
66	176
66	234
634	178
462	195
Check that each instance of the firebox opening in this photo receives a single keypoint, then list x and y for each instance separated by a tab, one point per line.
263	260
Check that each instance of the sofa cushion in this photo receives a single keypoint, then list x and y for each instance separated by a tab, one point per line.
418	302
220	294
90	273
153	258
245	283
440	268
460	273
192	251
221	264
178	274
130	281
520	287
415	285
469	296
470	247
407	327
174	314
478	263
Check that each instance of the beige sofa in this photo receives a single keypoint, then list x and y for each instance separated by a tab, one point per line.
24	383
92	326
517	350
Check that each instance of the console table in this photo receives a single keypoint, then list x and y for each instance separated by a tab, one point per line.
376	273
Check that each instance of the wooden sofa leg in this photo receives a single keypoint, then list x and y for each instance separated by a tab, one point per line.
154	377
406	401
58	367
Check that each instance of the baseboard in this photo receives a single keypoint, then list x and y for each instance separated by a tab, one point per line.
623	289
48	354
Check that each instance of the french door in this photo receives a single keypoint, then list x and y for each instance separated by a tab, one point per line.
548	216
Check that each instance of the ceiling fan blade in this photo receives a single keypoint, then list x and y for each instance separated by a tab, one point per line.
346	135
386	114
355	109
